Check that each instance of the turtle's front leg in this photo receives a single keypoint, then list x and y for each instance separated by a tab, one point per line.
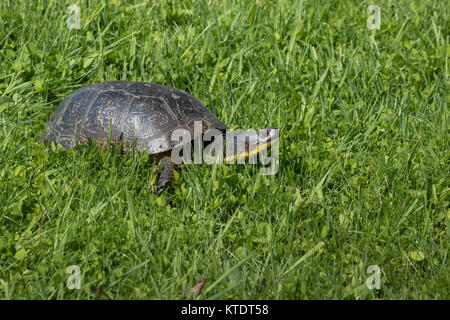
167	174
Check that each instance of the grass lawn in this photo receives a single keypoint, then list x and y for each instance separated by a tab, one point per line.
364	152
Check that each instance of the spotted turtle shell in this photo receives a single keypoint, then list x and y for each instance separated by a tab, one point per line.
142	115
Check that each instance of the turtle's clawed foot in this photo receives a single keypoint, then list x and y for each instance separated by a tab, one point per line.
166	176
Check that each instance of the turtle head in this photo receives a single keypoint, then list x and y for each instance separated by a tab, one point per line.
248	144
222	146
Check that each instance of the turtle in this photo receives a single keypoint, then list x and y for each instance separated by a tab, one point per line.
136	115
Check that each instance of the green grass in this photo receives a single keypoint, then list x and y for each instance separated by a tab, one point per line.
364	152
